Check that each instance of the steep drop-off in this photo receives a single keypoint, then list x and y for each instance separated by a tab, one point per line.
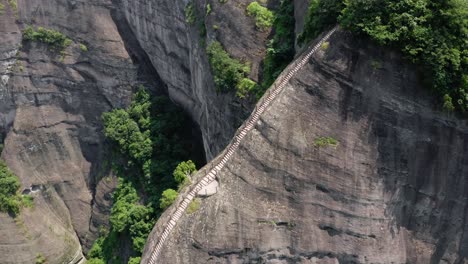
393	190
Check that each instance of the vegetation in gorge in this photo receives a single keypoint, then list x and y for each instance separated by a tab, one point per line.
430	33
263	16
321	14
10	200
168	197
150	141
280	50
51	37
229	73
232	74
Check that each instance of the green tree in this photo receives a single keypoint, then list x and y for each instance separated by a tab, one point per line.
143	177
168	197
228	72
183	171
10	201
140	108
263	17
121	128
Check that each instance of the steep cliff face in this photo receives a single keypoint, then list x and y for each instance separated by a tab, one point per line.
393	190
177	51
51	105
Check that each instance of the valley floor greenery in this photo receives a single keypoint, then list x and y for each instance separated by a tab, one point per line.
432	34
151	142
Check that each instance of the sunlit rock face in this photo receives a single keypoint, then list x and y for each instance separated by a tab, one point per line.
393	190
51	106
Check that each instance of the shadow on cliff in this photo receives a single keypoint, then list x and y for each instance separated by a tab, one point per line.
422	154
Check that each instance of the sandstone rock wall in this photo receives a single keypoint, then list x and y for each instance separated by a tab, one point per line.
51	108
394	190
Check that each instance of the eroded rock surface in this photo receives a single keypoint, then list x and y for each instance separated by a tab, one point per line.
51	110
394	189
178	53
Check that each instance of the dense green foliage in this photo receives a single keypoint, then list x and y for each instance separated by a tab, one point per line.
244	87
433	34
183	171
10	200
228	72
150	139
280	50
321	14
263	17
51	37
168	197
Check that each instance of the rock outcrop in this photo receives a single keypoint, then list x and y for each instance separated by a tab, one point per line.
51	105
393	190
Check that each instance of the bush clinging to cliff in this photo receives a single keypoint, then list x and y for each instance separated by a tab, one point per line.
263	17
51	37
229	73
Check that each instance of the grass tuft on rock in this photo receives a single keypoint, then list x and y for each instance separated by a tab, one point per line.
325	141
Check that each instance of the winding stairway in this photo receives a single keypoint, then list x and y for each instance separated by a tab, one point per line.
254	117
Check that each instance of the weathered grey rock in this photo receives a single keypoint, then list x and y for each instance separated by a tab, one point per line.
178	54
51	110
394	189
